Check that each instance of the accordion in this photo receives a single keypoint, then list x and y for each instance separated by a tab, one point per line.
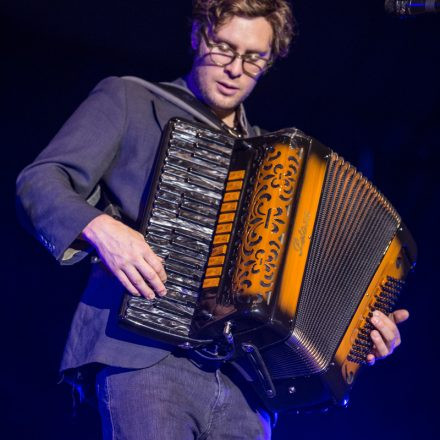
277	251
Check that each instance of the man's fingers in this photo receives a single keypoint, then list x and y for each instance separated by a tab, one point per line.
139	283
126	283
387	328
371	359
161	272
400	315
386	335
156	263
381	348
151	277
127	255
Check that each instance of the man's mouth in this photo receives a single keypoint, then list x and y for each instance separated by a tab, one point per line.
226	89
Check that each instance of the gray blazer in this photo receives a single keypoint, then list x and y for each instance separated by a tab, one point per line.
111	139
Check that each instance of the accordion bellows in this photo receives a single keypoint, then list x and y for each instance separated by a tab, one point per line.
276	248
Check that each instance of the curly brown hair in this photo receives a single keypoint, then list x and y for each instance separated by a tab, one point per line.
210	14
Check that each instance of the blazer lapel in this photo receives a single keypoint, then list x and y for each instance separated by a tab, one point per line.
164	111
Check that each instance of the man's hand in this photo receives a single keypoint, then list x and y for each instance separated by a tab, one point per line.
386	337
127	255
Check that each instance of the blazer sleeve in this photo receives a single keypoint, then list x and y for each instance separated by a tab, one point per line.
52	191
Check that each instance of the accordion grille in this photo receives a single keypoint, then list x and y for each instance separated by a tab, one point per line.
353	228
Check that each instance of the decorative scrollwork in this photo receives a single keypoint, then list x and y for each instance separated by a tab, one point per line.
267	221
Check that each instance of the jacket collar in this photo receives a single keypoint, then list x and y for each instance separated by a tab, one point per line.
165	113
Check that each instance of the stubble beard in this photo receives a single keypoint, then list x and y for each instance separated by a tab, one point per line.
208	93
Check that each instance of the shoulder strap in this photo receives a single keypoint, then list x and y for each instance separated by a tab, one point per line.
180	97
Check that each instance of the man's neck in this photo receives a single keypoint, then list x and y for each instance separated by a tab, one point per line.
229	120
227	117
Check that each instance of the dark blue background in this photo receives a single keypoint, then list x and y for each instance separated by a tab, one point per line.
363	82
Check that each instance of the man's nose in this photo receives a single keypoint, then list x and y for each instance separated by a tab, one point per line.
235	69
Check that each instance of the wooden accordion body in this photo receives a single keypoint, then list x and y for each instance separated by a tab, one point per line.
277	251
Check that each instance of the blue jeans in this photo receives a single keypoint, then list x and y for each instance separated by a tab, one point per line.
177	400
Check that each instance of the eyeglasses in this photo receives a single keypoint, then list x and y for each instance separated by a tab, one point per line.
221	54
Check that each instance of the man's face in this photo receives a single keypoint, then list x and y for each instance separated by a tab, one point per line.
224	88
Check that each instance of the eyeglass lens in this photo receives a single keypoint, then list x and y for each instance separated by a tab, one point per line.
223	57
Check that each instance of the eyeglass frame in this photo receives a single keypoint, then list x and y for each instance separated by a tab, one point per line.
210	45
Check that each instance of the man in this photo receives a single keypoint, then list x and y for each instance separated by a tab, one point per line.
112	139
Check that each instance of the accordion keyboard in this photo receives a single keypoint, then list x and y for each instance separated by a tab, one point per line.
193	170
